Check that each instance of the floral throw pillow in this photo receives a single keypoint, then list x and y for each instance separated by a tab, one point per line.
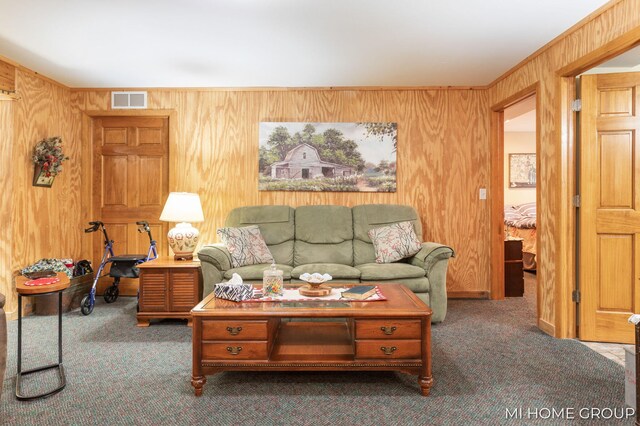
246	246
394	242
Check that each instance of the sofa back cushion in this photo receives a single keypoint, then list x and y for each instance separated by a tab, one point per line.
276	225
369	216
324	234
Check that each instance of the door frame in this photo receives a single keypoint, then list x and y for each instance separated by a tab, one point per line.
566	310
497	189
87	167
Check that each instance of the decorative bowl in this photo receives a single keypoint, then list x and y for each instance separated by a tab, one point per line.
315	287
316	278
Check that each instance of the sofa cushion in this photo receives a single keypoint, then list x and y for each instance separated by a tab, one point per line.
246	245
324	234
254	272
389	271
394	242
369	216
336	270
276	225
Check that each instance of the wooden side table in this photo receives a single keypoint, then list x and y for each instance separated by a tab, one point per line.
25	290
513	269
169	288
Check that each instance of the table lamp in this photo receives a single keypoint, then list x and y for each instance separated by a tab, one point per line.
183	208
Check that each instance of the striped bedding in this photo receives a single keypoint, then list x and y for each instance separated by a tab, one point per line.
521	216
520	222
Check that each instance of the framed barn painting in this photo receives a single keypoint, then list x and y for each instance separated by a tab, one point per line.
522	170
344	157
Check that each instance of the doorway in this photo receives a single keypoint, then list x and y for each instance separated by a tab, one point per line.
519	200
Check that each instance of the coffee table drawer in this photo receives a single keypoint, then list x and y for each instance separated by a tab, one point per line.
388	329
382	349
234	330
234	350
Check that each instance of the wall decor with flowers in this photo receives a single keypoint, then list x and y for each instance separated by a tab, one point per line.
48	158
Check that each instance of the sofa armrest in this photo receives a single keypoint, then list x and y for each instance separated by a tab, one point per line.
214	260
434	259
216	254
430	254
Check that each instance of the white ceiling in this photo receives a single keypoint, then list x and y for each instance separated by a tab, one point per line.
523	123
521	117
293	43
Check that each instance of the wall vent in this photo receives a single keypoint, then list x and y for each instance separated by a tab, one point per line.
128	100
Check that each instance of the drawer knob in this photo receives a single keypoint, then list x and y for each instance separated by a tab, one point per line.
386	350
234	350
388	330
234	330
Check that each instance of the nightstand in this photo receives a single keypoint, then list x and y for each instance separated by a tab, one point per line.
168	289
513	269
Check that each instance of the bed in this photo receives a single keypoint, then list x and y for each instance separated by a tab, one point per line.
520	222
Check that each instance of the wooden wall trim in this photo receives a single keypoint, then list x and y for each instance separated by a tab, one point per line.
130	113
468	295
609	50
567	250
560	38
281	89
496	197
32	72
547	327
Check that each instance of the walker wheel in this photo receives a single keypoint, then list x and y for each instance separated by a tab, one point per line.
85	306
111	294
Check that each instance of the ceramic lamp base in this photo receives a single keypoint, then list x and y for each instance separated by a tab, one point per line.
183	240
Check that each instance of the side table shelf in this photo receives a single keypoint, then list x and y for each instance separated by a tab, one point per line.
168	289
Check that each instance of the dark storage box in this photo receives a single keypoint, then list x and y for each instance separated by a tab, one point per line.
71	297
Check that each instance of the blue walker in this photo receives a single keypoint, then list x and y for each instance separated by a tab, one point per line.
124	266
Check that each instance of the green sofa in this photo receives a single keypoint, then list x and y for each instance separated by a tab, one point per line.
333	240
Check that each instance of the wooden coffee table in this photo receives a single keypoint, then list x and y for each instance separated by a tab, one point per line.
390	335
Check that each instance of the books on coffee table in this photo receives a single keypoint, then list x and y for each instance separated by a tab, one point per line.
360	292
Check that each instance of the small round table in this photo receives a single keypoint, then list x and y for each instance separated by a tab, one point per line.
27	290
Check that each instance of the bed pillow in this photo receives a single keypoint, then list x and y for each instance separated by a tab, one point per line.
246	246
394	242
527	209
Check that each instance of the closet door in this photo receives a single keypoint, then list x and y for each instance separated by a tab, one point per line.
130	183
610	207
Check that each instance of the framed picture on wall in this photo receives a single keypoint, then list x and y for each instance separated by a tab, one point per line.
522	170
338	157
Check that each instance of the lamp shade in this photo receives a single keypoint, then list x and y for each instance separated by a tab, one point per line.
182	207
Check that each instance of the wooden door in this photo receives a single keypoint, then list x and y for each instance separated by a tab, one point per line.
610	207
130	183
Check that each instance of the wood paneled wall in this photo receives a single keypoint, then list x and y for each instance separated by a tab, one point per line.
442	157
42	222
555	177
6	200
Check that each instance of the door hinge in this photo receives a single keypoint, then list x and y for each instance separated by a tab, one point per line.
576	200
576	105
575	296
